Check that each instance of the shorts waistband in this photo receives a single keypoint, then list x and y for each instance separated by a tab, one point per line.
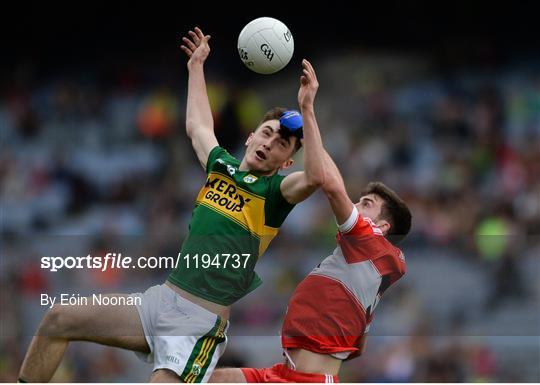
194	308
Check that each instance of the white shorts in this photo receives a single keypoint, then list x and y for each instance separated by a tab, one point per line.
182	336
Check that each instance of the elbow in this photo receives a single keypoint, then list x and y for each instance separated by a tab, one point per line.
190	128
315	181
331	188
193	126
318	182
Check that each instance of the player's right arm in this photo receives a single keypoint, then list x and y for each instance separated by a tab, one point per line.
199	120
334	188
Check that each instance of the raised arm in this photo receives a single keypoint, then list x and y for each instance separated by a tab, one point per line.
199	121
299	185
335	191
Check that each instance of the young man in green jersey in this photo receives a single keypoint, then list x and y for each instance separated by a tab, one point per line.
180	325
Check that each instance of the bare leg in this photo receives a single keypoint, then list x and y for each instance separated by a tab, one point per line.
228	375
164	375
118	326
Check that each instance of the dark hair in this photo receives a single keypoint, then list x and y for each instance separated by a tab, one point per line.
274	114
394	210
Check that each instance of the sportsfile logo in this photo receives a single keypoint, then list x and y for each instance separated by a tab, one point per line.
224	194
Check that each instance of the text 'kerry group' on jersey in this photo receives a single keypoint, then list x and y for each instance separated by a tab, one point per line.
224	194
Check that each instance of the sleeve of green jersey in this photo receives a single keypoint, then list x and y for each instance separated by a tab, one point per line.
277	208
216	153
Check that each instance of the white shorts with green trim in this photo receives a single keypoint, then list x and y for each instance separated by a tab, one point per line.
182	336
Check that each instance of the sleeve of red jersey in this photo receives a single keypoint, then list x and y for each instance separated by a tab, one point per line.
358	226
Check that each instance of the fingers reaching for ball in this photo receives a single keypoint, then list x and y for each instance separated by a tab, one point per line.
308	85
196	46
189	46
309	75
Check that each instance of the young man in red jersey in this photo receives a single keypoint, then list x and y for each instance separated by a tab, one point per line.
330	312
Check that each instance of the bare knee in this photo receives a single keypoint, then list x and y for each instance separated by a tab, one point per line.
228	375
164	375
55	323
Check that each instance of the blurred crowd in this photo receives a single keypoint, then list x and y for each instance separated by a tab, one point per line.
104	159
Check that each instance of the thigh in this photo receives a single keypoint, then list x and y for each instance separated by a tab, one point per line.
114	324
228	375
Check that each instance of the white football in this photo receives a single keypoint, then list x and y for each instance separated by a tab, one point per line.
265	45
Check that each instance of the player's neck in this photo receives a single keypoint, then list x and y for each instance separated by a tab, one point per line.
244	167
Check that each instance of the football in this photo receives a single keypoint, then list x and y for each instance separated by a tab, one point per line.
265	45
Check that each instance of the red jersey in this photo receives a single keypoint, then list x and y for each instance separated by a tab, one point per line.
333	306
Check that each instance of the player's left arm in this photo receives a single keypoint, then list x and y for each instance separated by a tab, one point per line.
334	189
362	344
299	185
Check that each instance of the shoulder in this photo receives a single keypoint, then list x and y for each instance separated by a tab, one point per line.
220	156
358	225
361	240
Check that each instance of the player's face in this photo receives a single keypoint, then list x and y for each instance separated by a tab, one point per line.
370	206
267	151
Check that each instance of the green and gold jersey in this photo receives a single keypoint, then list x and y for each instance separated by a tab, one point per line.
236	216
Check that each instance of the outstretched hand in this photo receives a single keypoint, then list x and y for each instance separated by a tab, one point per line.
196	48
308	85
